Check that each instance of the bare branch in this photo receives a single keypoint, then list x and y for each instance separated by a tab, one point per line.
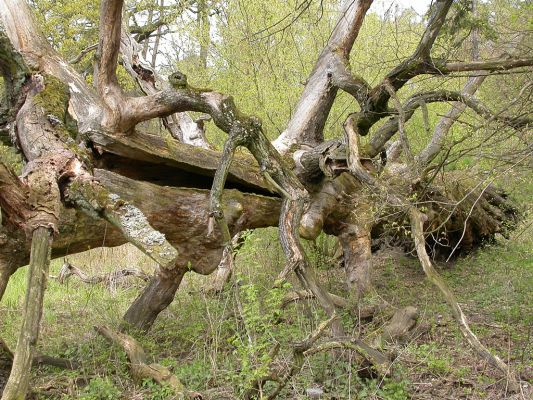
446	122
180	125
417	219
109	44
489	65
389	128
83	53
420	61
67	270
401	122
348	82
307	124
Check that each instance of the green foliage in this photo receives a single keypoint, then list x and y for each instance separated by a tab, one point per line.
70	25
100	389
436	363
252	345
462	22
156	391
10	157
386	389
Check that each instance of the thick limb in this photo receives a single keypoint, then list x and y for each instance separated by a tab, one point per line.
93	198
154	298
19	379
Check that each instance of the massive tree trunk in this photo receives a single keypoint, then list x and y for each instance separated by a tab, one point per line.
90	169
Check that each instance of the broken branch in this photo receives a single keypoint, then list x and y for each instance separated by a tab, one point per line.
140	369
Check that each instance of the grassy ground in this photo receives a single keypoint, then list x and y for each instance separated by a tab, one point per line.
223	340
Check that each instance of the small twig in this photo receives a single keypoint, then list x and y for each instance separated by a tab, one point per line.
83	53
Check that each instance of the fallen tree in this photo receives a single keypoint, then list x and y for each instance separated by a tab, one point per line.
88	163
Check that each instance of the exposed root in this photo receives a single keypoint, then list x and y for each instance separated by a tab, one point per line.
140	369
39	359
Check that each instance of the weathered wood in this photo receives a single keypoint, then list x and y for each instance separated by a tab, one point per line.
140	367
181	214
298	295
94	199
19	379
356	243
401	324
310	114
181	126
227	264
156	151
111	278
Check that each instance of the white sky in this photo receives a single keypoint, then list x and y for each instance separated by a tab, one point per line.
381	6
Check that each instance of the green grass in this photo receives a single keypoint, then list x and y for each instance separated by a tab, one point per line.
223	340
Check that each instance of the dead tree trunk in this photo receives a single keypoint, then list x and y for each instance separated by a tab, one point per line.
87	161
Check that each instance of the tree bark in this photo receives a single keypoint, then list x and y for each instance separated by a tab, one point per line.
155	298
146	177
19	379
356	245
309	117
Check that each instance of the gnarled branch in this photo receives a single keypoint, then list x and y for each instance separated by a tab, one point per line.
389	128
